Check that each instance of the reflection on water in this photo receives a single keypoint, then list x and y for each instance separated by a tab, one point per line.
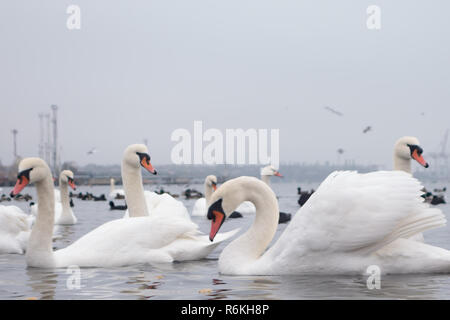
42	283
200	279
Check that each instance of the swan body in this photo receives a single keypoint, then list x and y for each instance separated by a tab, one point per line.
15	228
335	232
140	240
162	205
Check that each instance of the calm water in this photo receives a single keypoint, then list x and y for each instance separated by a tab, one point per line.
200	279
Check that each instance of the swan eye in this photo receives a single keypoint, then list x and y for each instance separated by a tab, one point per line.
414	147
143	156
24	173
215	207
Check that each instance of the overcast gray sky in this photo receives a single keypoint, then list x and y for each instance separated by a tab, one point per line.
141	69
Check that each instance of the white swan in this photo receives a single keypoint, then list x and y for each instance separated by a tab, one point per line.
201	205
146	203
405	150
267	172
334	232
63	212
64	215
115	193
15	228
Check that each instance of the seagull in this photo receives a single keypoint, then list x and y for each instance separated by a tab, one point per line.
334	111
367	129
92	151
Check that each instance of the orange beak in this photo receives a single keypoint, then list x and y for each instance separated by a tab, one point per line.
419	158
20	185
148	166
217	221
278	174
214	186
72	184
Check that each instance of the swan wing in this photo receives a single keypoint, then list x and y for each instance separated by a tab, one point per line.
353	212
165	205
14	229
13	220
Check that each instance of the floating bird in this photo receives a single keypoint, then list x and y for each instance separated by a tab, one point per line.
113	206
304	196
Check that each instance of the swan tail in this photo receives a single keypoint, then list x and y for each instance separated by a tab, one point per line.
413	226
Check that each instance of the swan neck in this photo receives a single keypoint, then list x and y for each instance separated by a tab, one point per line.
401	164
134	191
39	250
65	201
249	247
266	179
208	193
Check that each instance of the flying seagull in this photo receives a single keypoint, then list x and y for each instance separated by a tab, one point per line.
367	129
92	151
334	111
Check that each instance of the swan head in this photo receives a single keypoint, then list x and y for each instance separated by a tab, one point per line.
66	176
229	196
270	171
31	170
408	148
137	155
211	182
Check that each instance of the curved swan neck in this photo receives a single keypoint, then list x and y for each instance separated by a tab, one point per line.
208	193
402	164
266	179
111	185
65	201
251	245
39	250
134	191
